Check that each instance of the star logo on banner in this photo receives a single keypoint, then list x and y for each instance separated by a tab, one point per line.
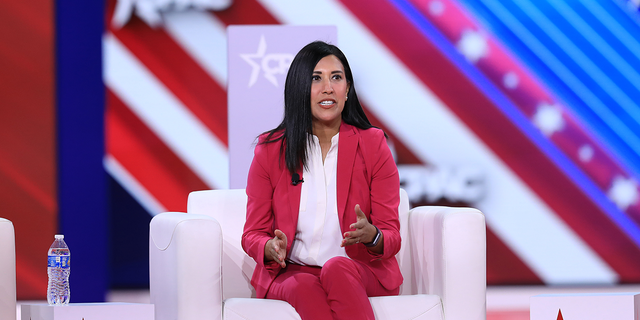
548	119
255	67
270	64
473	45
623	192
559	315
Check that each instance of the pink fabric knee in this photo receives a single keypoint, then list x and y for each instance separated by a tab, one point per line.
344	281
339	290
300	286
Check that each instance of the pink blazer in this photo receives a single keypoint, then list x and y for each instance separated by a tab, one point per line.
366	175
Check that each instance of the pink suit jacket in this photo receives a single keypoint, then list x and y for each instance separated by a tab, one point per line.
366	175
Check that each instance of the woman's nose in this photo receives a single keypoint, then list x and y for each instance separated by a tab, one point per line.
328	88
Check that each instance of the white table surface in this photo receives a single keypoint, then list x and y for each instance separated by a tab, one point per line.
88	311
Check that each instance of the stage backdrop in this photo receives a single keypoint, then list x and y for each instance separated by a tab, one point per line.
524	109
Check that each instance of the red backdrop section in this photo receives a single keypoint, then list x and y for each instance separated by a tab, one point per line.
27	137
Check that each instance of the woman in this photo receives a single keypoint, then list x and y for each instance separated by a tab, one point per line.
323	194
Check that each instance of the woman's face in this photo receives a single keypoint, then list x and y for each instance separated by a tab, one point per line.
329	89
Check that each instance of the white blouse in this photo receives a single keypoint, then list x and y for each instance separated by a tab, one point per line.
318	235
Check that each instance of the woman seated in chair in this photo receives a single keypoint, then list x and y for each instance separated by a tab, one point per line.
323	195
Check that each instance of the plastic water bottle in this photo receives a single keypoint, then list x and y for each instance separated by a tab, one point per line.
58	269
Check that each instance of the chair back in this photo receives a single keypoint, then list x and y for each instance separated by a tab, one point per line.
229	207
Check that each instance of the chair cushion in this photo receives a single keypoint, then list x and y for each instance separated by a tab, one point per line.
418	307
415	307
253	308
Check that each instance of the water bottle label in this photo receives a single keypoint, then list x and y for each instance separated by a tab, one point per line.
53	262
59	261
65	261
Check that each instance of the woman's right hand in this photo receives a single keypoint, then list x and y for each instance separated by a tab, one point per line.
276	248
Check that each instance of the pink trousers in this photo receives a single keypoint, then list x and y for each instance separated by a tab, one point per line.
338	290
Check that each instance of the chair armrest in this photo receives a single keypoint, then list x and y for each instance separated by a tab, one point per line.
185	255
448	246
7	270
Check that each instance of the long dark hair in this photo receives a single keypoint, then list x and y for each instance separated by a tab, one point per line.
296	127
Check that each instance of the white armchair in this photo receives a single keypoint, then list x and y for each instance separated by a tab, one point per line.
7	270
198	269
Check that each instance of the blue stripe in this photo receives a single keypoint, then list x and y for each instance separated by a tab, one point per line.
80	114
622	7
575	54
596	42
512	112
612	25
578	96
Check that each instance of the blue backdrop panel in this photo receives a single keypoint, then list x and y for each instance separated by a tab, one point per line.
80	111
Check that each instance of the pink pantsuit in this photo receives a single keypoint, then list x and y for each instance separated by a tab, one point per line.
366	175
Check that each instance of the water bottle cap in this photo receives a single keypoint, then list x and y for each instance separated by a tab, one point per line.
59	236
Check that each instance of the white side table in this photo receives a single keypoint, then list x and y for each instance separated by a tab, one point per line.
586	306
88	311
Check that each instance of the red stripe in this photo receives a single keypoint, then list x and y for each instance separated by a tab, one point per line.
27	138
31	281
504	267
177	70
509	314
499	134
33	17
246	12
18	178
147	158
34	225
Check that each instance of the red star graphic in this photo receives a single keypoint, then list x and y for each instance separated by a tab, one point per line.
559	315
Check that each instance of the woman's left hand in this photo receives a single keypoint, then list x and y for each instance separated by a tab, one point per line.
363	230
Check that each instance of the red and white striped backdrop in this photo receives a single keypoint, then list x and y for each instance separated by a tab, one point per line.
167	126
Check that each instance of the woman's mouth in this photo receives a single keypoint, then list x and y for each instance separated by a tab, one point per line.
327	103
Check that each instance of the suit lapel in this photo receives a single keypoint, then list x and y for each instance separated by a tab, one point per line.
346	155
287	199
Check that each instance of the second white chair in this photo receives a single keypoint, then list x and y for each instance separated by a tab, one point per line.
7	270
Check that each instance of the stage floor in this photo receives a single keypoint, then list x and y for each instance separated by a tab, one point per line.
503	302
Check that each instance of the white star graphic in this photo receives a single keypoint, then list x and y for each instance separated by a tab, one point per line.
436	7
248	57
623	192
585	153
510	80
151	11
473	45
548	119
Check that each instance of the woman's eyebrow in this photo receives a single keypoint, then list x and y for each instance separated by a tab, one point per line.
332	72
